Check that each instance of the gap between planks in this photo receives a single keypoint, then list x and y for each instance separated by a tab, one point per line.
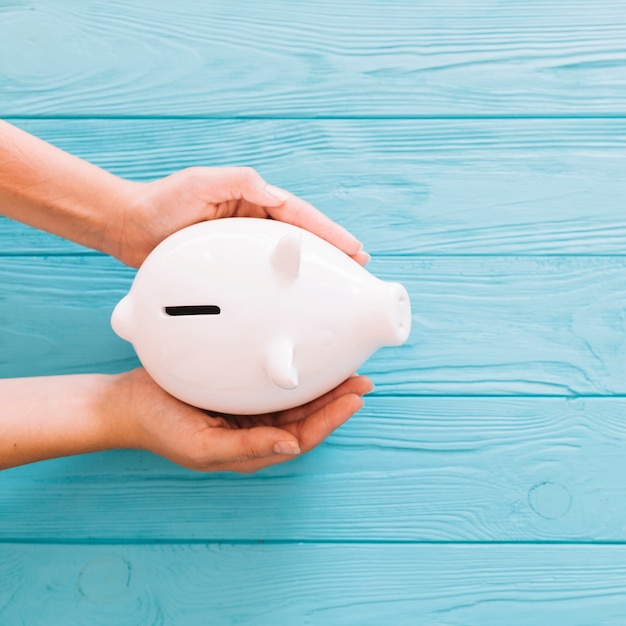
117	541
321	118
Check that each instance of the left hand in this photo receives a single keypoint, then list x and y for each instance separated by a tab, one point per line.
196	194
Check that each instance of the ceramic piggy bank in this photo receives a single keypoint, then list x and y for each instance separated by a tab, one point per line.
246	315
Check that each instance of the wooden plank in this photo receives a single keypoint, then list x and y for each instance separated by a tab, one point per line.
189	585
55	315
243	58
481	325
403	469
404	187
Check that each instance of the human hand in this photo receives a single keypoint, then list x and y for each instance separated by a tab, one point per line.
142	415
156	210
50	189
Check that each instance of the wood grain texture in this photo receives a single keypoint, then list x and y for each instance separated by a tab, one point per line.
359	585
404	187
246	58
403	469
58	311
481	326
478	149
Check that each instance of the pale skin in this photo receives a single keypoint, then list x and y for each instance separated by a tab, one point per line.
47	417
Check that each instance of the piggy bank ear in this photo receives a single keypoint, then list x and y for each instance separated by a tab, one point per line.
121	320
286	256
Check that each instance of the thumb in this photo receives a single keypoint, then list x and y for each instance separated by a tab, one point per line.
246	183
251	443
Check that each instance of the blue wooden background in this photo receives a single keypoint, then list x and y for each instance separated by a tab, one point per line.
478	148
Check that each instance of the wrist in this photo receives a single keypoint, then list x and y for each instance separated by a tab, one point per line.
55	416
113	401
47	188
123	217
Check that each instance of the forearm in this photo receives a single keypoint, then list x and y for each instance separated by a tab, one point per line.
54	416
45	187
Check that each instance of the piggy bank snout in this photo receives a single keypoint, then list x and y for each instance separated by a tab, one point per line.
397	314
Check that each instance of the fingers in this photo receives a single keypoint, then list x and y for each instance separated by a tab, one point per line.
314	429
359	385
362	258
300	213
310	432
227	446
245	183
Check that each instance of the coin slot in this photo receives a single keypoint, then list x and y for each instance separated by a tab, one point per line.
197	309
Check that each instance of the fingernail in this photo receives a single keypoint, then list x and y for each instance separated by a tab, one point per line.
286	447
277	192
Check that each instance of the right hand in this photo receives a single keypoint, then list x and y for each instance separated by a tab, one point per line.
145	416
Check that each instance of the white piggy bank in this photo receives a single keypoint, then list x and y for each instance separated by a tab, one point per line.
245	315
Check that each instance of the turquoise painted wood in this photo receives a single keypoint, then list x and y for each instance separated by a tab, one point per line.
316	584
407	187
289	58
405	469
548	326
478	149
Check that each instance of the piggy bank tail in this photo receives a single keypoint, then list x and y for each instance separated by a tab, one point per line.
121	319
